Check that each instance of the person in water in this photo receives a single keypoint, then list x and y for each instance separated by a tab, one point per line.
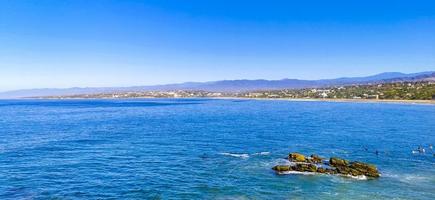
420	149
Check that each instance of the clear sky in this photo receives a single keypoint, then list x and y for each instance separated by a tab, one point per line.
62	43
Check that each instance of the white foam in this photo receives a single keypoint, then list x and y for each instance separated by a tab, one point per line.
281	161
297	172
263	153
242	155
359	177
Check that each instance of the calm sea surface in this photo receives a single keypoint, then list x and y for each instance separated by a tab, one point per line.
209	149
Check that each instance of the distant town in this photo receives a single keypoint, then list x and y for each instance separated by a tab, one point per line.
382	91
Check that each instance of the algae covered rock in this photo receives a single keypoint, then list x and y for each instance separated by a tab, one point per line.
321	170
354	168
330	171
338	162
282	168
305	167
365	169
343	170
336	165
316	158
363	166
297	157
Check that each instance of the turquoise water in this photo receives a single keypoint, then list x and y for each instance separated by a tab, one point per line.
209	149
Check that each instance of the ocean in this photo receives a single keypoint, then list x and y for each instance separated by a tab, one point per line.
210	149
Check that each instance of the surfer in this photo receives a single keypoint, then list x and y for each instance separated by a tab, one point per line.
420	149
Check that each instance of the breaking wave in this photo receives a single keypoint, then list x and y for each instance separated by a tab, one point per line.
297	172
263	153
245	155
242	155
360	177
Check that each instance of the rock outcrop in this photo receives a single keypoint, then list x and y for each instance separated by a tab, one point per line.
316	158
297	157
316	164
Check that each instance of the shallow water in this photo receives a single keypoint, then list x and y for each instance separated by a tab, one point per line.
209	149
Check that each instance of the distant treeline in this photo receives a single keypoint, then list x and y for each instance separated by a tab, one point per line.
397	91
394	91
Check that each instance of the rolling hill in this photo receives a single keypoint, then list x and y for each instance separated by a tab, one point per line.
230	85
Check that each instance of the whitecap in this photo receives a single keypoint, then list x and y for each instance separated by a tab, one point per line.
297	172
359	177
242	155
281	161
263	153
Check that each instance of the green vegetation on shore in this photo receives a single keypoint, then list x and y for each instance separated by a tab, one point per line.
385	91
390	91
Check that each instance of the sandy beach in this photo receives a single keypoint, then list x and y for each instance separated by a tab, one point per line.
430	102
427	102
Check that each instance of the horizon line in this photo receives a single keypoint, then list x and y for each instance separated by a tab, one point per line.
176	83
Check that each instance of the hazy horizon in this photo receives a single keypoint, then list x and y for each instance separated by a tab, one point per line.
64	44
208	81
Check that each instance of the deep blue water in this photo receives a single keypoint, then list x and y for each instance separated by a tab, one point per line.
209	149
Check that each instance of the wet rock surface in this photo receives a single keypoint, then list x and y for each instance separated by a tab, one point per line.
316	164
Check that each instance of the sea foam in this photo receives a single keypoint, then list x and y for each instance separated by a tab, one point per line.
263	153
242	155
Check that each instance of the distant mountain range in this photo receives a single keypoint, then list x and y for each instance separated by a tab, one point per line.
230	85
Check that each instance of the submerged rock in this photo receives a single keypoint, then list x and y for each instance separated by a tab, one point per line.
338	166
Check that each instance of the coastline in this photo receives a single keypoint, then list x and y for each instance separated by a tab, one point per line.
425	102
422	102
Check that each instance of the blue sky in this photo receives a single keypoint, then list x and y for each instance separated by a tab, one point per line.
124	43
